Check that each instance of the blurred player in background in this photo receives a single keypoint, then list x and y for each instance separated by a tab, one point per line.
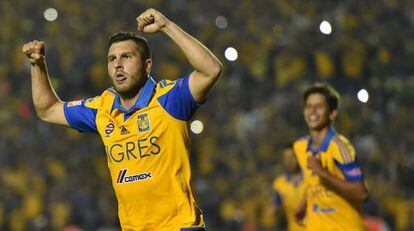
335	189
143	124
288	189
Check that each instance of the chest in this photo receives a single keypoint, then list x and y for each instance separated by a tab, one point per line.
142	124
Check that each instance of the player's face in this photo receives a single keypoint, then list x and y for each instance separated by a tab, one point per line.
289	160
125	67
316	112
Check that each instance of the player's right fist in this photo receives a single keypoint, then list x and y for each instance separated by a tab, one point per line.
35	51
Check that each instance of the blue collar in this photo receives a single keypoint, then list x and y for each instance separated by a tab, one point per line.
325	143
142	100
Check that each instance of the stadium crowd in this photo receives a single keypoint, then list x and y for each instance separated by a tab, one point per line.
53	178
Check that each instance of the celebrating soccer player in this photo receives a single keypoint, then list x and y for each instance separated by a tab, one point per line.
143	124
335	188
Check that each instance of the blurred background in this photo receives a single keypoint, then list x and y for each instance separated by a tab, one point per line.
52	178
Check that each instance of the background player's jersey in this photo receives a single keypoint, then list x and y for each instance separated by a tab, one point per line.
327	210
288	193
147	150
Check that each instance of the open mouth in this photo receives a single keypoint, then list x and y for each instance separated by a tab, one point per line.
120	77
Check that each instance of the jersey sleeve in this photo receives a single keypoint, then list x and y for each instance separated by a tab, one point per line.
277	199
178	101
81	114
346	160
276	195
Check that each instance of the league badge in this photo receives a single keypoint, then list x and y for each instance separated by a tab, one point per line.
74	103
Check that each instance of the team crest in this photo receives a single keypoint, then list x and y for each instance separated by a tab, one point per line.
143	123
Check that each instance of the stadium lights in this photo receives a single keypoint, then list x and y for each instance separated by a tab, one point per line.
325	27
50	14
196	126
231	54
221	22
363	95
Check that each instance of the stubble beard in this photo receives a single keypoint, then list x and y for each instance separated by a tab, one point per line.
132	88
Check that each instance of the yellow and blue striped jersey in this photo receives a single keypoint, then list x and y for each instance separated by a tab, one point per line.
147	150
288	194
326	209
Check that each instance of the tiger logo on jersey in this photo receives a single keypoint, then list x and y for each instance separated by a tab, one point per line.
143	123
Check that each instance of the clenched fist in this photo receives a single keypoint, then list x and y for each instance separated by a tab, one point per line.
35	51
151	21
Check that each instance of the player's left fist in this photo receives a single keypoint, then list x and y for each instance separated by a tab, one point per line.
151	21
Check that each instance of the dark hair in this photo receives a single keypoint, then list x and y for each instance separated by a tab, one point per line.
142	44
331	95
288	145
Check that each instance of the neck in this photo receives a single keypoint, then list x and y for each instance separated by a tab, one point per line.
127	101
318	136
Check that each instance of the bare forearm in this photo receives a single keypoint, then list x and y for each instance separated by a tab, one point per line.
198	55
44	97
355	191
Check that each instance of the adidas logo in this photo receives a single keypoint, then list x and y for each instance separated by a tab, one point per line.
124	131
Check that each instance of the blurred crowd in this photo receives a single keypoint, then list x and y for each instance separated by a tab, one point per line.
53	178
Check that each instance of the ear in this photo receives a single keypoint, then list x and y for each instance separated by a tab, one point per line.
333	114
148	66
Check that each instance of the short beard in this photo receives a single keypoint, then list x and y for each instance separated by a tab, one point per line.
133	90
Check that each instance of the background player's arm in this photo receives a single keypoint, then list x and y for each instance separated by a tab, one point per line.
300	211
355	191
207	67
47	104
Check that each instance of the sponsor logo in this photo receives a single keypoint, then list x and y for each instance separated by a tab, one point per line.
124	178
143	123
133	150
109	128
317	209
124	131
74	103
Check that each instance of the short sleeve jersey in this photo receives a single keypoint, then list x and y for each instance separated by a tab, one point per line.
147	150
326	209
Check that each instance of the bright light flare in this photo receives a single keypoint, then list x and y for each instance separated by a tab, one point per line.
231	54
363	95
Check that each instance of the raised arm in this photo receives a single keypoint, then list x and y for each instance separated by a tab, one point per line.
47	104
207	67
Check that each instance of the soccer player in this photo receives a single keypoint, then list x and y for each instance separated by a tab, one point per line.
143	124
288	189
335	188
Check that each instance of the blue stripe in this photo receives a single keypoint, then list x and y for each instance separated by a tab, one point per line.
179	101
80	117
351	171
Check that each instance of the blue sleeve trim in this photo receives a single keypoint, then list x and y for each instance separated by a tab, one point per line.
351	171
81	117
179	102
277	199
